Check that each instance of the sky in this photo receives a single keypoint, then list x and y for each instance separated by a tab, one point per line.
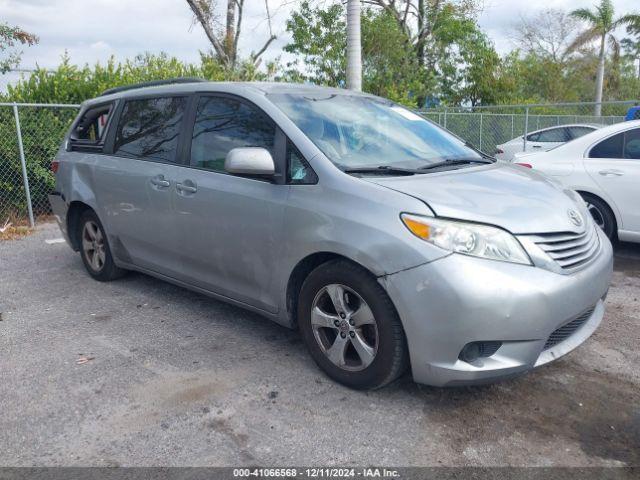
93	30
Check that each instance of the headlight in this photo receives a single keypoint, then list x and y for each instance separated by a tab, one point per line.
467	238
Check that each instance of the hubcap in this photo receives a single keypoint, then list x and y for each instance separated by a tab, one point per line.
93	245
597	215
344	327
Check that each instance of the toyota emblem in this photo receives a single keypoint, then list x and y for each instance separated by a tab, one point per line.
575	218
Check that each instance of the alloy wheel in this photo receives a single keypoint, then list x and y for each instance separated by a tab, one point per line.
344	327
93	245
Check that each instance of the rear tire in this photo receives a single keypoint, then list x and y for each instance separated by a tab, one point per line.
602	215
351	327
94	249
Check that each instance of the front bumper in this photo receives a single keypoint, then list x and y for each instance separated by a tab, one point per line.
459	299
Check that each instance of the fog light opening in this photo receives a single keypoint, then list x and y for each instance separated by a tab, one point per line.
474	350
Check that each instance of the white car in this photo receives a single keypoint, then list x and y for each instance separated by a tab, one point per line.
604	167
543	140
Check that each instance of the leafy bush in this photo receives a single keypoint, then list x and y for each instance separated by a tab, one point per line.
43	128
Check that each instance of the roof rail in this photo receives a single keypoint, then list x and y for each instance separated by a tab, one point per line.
153	83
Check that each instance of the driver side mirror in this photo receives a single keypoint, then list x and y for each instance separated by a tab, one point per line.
249	161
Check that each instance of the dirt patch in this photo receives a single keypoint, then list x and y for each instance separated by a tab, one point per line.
589	413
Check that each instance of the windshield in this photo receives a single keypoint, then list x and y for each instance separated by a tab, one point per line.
363	132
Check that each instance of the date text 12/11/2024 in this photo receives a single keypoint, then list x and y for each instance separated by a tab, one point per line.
319	472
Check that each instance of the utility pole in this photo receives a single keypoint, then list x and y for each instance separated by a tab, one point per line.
354	47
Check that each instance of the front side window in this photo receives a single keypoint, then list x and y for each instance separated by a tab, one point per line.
149	128
299	172
609	148
356	131
223	124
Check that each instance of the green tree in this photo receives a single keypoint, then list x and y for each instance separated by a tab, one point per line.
631	46
601	23
10	37
389	64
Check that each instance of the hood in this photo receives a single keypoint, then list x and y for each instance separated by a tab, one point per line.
509	196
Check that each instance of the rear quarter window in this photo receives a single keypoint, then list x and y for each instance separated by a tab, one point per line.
90	128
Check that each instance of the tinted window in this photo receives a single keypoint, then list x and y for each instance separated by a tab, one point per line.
632	144
576	132
149	128
553	135
223	124
299	172
533	137
609	148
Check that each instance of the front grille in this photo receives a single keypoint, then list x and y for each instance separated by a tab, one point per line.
566	330
570	250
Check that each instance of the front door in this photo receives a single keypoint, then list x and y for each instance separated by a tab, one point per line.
230	226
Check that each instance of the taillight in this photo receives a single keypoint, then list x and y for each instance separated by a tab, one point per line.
528	165
54	166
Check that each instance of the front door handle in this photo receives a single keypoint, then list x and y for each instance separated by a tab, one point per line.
160	182
611	173
537	146
186	187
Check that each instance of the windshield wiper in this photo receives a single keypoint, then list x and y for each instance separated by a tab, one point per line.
458	161
382	169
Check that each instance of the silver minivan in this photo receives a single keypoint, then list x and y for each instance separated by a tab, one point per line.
386	240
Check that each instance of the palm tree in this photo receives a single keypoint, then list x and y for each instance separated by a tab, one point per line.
354	48
601	25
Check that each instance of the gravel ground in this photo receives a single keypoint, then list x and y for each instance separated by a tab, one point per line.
176	378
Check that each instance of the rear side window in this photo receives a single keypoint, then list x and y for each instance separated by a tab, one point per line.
90	128
149	128
577	132
553	135
608	148
223	124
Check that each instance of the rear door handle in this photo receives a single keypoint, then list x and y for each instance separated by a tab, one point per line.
187	187
160	182
611	173
537	146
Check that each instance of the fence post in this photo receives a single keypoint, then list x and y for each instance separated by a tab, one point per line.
480	148
23	163
445	117
513	133
526	129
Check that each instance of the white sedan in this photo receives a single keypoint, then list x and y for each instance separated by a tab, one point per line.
542	140
604	167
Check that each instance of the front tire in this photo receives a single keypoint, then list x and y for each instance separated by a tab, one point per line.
351	327
94	249
601	214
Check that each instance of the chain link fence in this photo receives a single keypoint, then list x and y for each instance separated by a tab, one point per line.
30	135
490	126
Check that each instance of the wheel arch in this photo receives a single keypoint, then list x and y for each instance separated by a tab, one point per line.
300	272
74	213
612	207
